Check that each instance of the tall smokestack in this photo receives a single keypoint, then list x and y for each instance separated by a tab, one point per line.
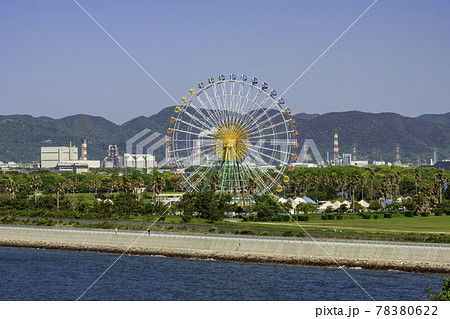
84	150
354	152
336	146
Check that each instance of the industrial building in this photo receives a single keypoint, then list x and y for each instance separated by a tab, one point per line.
113	160
140	161
53	155
61	157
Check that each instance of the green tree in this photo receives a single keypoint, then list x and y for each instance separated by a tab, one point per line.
417	178
443	294
10	186
267	207
440	181
35	183
58	187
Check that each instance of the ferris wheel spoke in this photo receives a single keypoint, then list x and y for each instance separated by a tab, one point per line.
213	116
270	118
197	119
191	148
219	103
213	105
271	127
286	154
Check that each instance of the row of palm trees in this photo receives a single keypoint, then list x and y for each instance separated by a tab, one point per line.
389	185
120	184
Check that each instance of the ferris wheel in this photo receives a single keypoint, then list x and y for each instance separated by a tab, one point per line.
234	136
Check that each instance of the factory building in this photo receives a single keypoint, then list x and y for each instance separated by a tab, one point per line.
140	161
114	160
61	157
52	156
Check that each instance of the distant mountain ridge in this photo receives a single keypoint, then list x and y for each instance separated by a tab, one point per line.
375	134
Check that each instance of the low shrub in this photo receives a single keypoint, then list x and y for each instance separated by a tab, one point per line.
409	213
424	214
365	216
265	233
387	215
339	217
438	213
376	216
211	230
287	233
303	218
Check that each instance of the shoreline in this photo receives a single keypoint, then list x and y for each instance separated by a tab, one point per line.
237	256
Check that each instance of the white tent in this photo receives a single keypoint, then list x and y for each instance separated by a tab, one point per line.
325	205
336	205
364	204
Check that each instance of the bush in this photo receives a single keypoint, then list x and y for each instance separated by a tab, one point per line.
376	216
438	213
409	213
301	235
287	233
365	216
211	230
339	217
387	215
303	218
425	214
265	233
285	218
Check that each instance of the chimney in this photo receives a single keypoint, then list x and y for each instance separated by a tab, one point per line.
84	150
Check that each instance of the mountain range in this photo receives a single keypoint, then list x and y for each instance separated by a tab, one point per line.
374	134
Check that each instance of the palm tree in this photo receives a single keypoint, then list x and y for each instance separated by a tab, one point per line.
417	177
11	187
372	178
440	180
58	187
353	183
214	182
362	183
158	184
296	183
35	183
138	184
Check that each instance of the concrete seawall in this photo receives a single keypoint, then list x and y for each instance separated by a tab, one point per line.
373	255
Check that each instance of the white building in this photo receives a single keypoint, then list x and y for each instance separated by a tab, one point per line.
54	155
139	161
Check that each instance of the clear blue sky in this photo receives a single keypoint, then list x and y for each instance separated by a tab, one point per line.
55	61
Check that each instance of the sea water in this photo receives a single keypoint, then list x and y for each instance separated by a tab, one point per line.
33	274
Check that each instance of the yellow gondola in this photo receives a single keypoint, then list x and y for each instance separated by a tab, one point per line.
184	99
177	109
191	92
279	188
286	179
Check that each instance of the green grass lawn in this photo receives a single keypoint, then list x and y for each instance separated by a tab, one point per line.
431	224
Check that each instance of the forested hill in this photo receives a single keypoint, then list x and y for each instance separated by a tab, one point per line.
375	135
